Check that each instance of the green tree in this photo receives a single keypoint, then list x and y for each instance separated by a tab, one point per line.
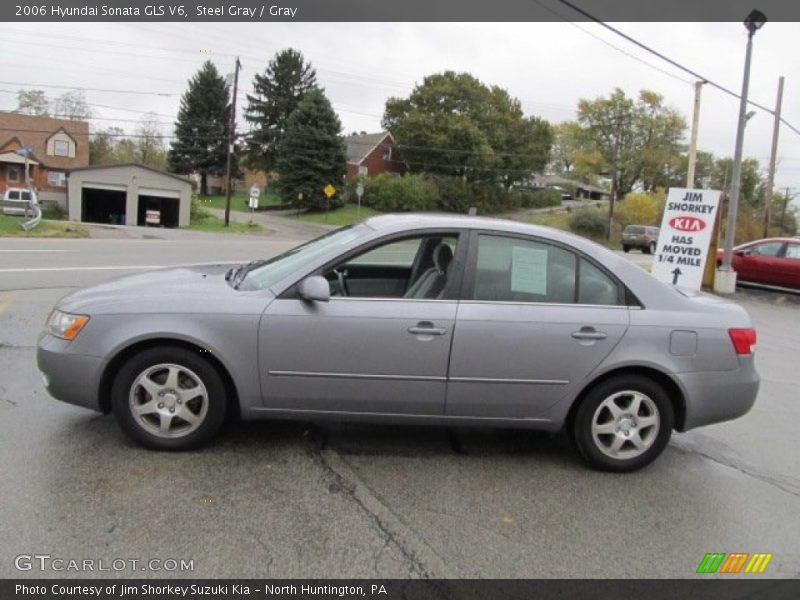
103	146
150	149
453	124
33	102
311	154
568	144
287	79
634	141
202	127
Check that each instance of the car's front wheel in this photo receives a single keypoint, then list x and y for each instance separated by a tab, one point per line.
626	248
623	423
169	398
651	249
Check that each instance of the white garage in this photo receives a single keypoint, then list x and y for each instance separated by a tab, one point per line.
128	194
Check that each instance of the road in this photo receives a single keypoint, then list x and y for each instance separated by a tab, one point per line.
277	499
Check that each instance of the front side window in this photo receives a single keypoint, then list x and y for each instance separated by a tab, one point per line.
419	267
61	148
767	249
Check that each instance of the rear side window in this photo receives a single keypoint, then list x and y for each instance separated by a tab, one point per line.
26	195
13	195
516	270
634	230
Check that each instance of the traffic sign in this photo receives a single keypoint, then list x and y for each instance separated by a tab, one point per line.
24	151
255	191
685	235
360	190
329	190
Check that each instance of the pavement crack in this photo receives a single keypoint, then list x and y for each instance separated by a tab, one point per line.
774	481
344	480
266	549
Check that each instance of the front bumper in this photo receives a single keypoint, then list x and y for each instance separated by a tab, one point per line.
714	397
69	377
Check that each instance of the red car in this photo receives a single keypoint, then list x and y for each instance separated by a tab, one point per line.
772	261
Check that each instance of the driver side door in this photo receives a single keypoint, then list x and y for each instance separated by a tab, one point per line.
369	349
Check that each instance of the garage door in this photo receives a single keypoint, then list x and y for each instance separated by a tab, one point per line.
159	193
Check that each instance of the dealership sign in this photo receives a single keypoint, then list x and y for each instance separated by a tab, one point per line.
685	236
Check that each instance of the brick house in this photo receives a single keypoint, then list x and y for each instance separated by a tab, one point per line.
370	154
57	145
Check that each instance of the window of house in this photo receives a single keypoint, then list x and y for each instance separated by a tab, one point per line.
61	148
56	178
12	173
387	153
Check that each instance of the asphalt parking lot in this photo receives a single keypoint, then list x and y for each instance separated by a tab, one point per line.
292	499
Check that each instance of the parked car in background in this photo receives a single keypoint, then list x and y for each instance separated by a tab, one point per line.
771	262
416	319
642	237
22	199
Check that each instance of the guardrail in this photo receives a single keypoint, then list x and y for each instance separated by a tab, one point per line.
34	211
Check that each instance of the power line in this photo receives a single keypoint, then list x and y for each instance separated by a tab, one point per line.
87	89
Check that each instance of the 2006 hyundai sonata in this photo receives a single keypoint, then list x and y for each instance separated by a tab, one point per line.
440	320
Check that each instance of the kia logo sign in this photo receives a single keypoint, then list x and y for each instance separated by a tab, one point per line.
685	223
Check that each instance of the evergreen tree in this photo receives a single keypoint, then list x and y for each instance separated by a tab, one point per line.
202	127
277	93
311	154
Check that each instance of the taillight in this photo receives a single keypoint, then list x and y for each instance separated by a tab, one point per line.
743	340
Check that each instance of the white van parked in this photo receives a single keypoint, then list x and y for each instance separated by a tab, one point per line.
23	198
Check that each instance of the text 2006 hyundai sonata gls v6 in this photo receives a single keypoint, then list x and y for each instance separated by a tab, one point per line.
410	319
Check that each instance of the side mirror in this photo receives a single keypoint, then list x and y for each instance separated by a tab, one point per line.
314	288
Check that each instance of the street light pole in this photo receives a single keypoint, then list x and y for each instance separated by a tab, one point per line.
725	282
698	87
776	126
231	136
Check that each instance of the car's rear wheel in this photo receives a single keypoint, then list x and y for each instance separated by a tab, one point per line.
169	398
651	249
623	423
626	248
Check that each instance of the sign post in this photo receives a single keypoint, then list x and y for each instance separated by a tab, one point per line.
359	193
685	235
329	191
255	192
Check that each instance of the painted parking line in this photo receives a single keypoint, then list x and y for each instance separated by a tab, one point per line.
5	301
116	267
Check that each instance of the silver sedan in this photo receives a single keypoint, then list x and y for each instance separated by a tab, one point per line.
421	319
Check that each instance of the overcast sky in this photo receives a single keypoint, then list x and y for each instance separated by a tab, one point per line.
548	66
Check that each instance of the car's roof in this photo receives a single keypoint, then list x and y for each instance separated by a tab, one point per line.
771	239
413	221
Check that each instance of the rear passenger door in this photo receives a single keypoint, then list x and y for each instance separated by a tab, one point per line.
534	321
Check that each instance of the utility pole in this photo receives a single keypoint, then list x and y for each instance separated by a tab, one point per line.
698	87
776	125
231	136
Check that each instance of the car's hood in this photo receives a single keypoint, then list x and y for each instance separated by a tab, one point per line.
188	289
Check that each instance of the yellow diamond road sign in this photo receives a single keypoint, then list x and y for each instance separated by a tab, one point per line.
329	190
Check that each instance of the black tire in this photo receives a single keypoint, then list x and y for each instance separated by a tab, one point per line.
590	404
651	249
626	248
193	365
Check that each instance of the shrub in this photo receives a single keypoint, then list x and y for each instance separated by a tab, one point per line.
197	212
538	198
639	208
53	211
589	222
390	193
458	196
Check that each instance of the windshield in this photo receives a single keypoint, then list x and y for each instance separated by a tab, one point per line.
264	274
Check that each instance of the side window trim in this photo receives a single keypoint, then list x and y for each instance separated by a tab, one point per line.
625	298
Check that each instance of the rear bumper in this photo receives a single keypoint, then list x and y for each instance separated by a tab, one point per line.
72	378
714	397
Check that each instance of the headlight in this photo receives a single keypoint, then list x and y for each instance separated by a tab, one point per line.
65	325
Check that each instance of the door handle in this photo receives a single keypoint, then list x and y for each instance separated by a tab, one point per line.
426	328
589	333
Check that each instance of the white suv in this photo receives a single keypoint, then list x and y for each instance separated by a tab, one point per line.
24	198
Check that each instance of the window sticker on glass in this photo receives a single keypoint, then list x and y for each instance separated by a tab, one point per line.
529	270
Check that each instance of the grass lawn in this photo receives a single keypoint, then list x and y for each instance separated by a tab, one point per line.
345	215
204	221
10	227
239	201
